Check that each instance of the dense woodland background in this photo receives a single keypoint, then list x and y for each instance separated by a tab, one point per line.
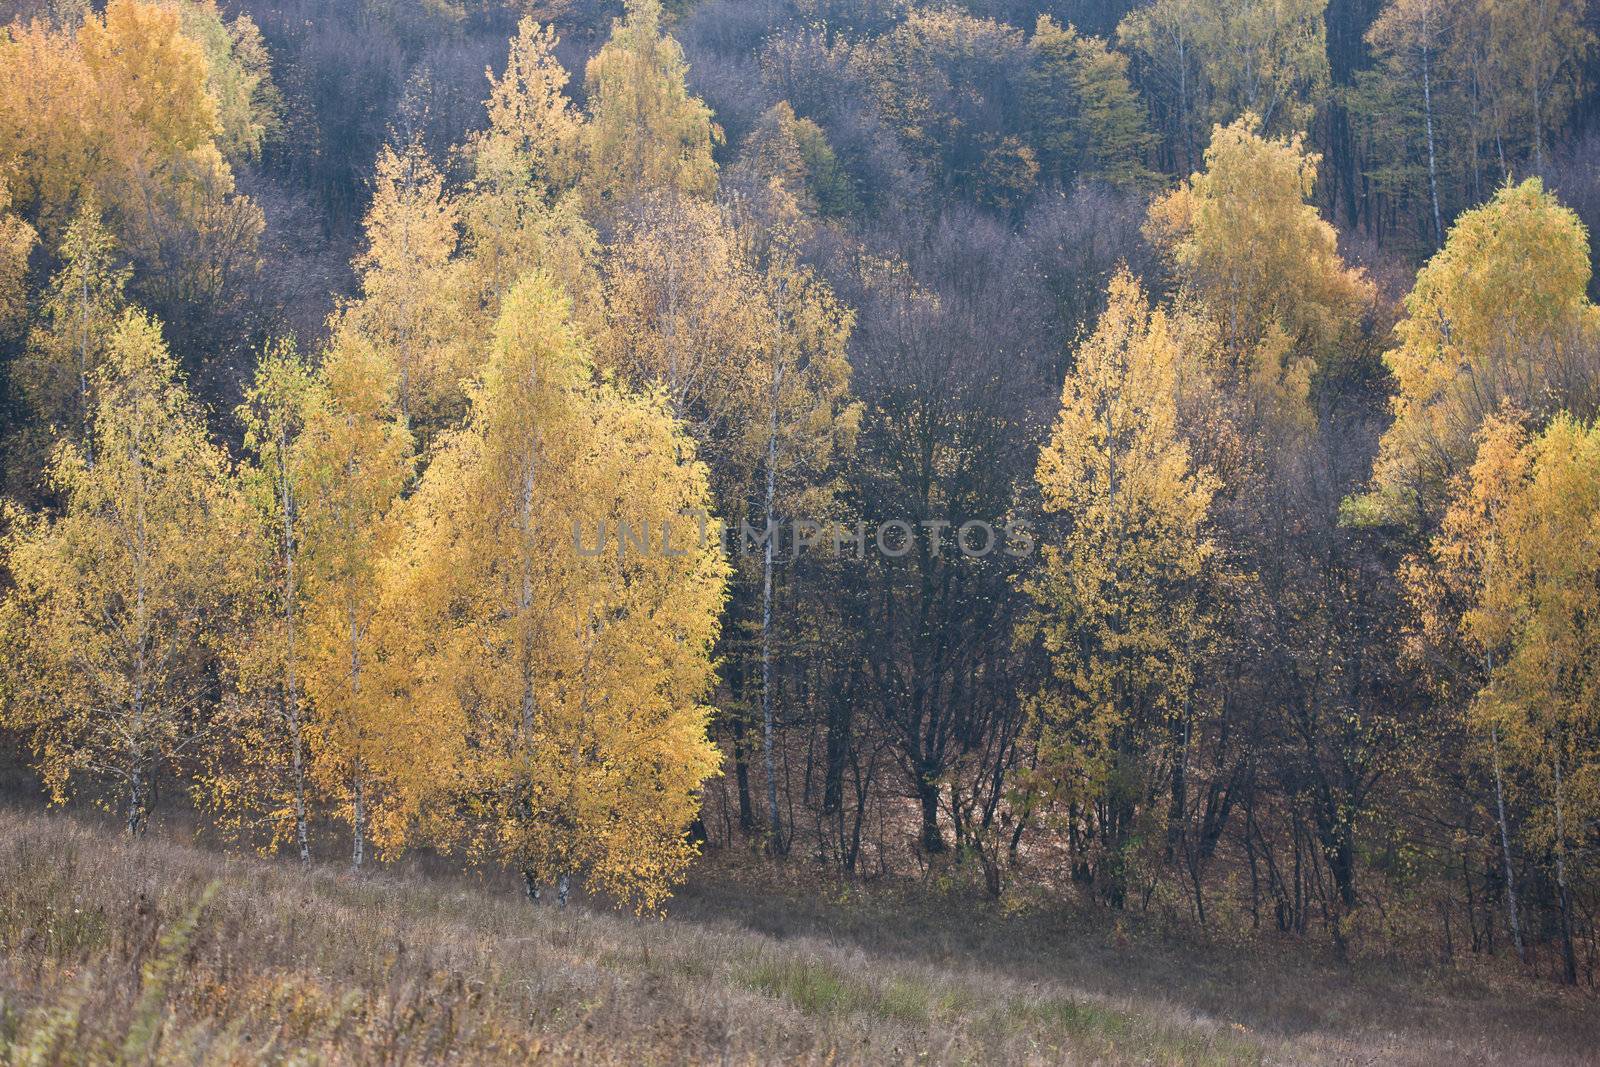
1271	317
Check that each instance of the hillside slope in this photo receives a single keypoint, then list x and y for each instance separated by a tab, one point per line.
159	952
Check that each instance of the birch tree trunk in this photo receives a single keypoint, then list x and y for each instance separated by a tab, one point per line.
358	814
85	416
1433	174
291	680
138	802
1505	847
358	820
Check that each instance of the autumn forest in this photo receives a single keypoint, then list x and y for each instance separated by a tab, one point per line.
467	430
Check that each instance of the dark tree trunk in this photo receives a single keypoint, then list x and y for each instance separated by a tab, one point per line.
741	776
932	838
840	715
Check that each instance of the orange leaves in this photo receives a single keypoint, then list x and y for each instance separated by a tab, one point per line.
126	110
149	74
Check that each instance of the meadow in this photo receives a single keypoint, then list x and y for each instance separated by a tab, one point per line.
121	951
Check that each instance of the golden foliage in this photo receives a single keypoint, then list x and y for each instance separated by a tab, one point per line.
646	130
534	133
81	308
685	309
122	599
17	239
414	291
1246	242
125	108
1500	313
546	701
356	458
1118	599
1520	547
521	211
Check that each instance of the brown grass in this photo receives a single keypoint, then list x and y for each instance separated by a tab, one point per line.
162	952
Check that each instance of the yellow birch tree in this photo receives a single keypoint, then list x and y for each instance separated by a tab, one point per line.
1247	243
355	458
121	602
1522	536
548	691
1500	314
1119	598
82	306
258	779
522	210
646	130
413	289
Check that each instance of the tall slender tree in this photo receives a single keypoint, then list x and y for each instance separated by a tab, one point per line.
558	704
356	458
80	311
121	602
259	781
413	287
1118	597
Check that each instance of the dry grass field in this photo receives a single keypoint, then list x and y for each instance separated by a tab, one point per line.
160	952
